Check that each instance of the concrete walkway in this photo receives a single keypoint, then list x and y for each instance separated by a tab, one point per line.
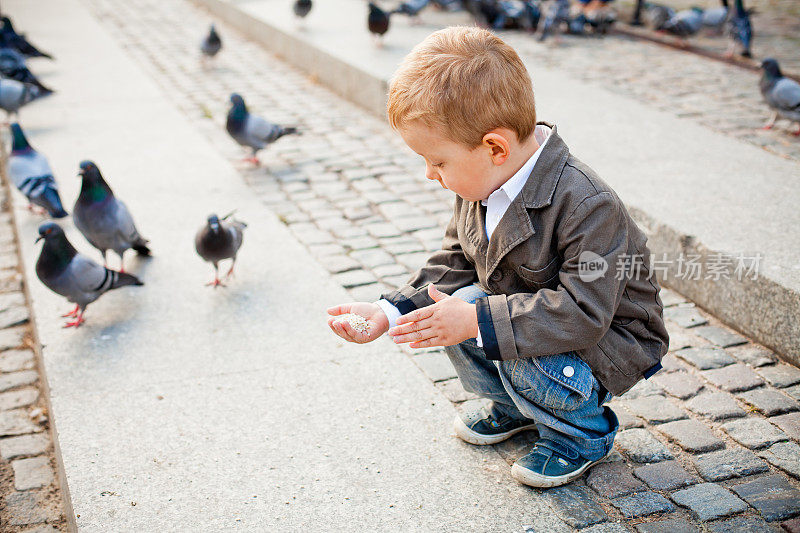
695	191
181	408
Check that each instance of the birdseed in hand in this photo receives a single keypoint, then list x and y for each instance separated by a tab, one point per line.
357	322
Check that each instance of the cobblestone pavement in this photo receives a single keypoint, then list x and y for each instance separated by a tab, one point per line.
718	95
30	498
709	444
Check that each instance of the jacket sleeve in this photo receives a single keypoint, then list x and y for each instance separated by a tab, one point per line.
449	269
578	312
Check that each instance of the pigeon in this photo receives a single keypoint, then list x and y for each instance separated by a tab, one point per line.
557	15
218	240
15	94
486	12
657	15
600	20
12	66
534	13
377	22
31	174
781	94
103	219
252	131
73	275
411	8
715	19
514	14
685	23
740	30
10	59
10	38
301	8
211	44
578	24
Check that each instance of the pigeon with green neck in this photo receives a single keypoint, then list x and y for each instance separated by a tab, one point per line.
252	131
31	174
104	219
73	275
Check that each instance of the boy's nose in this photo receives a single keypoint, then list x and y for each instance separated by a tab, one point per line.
430	173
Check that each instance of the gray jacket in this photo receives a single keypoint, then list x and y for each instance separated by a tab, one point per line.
544	272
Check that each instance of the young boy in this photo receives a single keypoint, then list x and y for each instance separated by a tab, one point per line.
551	306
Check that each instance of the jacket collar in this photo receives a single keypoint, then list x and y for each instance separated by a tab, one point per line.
541	185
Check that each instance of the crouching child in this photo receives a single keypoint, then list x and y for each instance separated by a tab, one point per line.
541	293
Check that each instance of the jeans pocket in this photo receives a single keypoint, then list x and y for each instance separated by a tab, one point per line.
561	381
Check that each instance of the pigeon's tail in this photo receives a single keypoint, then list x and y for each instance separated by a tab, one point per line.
43	89
122	279
51	201
141	247
288	131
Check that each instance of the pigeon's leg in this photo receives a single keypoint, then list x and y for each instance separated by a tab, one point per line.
230	271
770	122
73	313
216	283
77	322
253	158
796	132
731	49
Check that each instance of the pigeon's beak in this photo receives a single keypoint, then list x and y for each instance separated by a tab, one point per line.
39	238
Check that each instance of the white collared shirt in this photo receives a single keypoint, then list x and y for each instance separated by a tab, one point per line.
496	206
499	201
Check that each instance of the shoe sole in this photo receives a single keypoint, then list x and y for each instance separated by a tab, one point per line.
473	437
532	479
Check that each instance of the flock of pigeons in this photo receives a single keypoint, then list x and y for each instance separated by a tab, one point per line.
719	20
102	218
106	222
507	14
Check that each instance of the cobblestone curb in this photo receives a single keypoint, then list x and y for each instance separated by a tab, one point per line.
30	491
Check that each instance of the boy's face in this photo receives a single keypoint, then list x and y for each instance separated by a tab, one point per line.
468	172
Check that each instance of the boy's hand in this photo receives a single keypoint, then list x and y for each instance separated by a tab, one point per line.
447	322
374	315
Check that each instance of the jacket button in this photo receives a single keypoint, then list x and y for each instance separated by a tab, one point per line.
496	276
569	371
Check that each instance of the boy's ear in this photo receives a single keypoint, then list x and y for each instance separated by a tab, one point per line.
498	145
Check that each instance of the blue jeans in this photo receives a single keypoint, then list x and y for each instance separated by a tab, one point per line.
558	392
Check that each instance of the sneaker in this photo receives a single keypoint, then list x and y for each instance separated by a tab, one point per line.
481	427
545	467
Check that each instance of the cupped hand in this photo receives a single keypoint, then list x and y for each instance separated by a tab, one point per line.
447	322
376	319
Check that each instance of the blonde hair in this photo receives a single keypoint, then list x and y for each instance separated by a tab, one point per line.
467	82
